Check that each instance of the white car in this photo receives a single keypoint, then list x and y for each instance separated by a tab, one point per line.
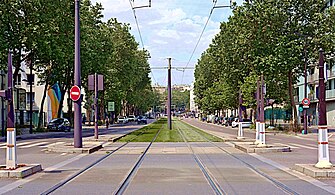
122	119
131	118
246	123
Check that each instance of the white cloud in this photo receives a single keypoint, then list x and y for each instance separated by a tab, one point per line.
169	16
169	34
160	42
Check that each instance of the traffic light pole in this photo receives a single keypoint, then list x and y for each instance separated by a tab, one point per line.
261	116
305	94
78	143
257	113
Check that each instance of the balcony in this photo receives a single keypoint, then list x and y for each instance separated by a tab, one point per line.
330	94
314	78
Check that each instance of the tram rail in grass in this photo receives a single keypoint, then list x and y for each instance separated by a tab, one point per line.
167	135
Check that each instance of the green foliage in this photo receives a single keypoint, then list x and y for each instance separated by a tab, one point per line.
262	37
45	30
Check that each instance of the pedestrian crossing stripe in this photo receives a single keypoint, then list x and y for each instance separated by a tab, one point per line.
35	144
31	144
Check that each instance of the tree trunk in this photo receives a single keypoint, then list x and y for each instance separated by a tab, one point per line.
290	91
40	117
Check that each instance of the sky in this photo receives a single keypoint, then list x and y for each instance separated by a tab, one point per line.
170	29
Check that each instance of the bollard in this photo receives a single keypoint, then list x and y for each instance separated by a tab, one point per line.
261	135
257	133
323	148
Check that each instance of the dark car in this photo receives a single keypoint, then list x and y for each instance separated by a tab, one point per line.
59	124
229	121
142	120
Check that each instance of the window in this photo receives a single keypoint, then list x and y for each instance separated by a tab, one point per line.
17	80
28	97
31	78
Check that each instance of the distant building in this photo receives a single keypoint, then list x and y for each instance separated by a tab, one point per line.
193	106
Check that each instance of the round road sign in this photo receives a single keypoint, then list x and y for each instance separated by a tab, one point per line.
75	93
306	102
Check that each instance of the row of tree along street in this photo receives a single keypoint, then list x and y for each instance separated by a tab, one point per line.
41	32
263	37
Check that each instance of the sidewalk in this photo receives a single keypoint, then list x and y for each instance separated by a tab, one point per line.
26	135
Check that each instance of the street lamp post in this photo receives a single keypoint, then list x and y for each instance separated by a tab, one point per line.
305	91
77	74
323	148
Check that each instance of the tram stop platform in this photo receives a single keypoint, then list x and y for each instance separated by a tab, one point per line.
88	148
311	170
237	139
22	171
250	147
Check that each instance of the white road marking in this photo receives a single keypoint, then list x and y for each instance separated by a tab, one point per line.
20	144
288	145
303	146
45	146
35	144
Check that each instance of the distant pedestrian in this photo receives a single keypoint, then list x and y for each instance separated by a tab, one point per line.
107	122
84	119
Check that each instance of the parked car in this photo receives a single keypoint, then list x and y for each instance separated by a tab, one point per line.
59	124
246	123
229	121
142	120
122	120
131	118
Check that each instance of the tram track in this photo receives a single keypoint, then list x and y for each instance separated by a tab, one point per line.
209	177
82	171
125	183
275	182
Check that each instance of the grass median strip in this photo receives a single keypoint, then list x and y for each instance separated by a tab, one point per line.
146	134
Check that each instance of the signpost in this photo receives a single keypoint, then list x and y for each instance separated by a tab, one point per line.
96	83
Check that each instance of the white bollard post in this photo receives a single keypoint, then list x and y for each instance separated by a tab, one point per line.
257	133
11	157
261	135
323	148
240	130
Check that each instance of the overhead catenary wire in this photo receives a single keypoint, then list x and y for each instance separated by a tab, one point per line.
136	21
139	31
202	32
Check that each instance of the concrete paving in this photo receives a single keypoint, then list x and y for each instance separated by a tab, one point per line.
311	170
88	147
250	147
23	170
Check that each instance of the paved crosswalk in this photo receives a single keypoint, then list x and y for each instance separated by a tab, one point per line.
30	144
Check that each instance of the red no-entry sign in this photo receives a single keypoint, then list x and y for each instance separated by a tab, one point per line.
75	93
306	102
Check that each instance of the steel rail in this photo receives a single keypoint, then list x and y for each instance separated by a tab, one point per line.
72	177
125	183
278	184
209	177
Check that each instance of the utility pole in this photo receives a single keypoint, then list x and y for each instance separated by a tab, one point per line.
31	95
78	143
240	119
261	116
257	113
323	147
169	96
305	92
96	106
